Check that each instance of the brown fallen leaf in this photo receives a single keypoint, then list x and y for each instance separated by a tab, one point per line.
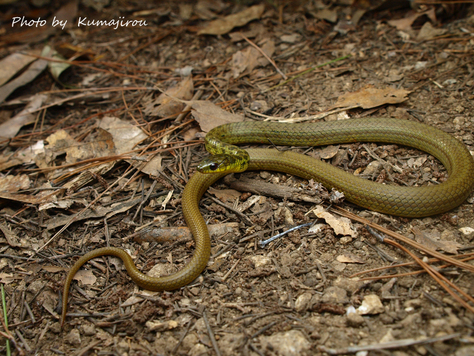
340	225
54	269
225	195
405	23
329	152
370	97
209	115
226	24
243	62
10	128
428	32
447	246
12	64
165	104
14	183
85	276
12	239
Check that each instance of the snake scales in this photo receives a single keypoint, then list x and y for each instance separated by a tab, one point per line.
396	200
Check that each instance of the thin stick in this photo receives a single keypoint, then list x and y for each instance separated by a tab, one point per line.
5	322
265	55
306	72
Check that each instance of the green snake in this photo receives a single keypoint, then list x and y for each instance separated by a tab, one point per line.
395	200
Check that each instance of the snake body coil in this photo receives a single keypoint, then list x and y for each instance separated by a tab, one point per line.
396	200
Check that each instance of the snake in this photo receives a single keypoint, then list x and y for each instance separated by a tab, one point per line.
406	201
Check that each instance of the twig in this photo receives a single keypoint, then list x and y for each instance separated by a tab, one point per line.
404	239
5	323
306	72
265	55
442	281
386	345
76	216
267	241
211	334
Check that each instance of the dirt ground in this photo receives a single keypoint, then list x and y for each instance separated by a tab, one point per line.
296	296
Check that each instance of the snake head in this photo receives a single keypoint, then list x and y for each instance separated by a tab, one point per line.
222	163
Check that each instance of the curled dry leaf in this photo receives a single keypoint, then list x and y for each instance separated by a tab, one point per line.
371	97
340	224
224	25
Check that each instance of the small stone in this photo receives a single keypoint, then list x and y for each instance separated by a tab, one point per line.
189	341
260	261
372	168
338	266
411	320
302	302
73	337
386	319
371	305
161	325
412	304
88	329
265	175
354	320
289	343
56	328
349	284
335	295
229	344
122	347
198	349
466	350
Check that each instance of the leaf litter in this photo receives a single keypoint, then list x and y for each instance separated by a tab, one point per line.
96	167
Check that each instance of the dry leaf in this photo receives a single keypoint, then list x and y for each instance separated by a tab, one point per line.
54	269
424	239
14	183
99	144
165	105
226	24
370	97
12	64
329	152
10	128
10	236
340	224
209	115
125	136
225	195
411	16
428	32
190	134
243	62
6	278
85	276
27	76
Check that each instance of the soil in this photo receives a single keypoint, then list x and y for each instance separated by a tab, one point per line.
291	297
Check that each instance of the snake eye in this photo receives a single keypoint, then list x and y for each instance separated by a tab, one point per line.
213	166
